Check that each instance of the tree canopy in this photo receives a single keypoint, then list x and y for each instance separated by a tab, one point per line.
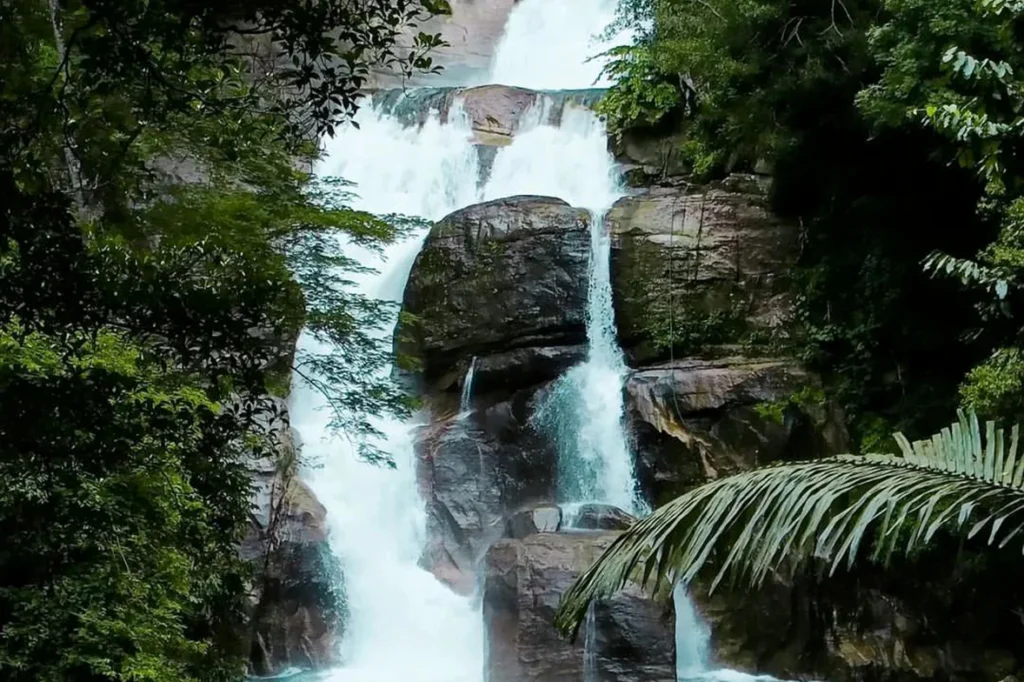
162	242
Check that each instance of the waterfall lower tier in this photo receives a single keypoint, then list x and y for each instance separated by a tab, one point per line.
584	413
376	517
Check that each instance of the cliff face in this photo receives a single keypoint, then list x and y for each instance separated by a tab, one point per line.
504	285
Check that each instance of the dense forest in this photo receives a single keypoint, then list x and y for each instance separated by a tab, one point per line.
158	216
163	241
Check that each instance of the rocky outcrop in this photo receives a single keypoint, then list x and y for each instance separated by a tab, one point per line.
524	580
507	279
495	112
597	516
295	608
475	472
907	622
649	157
695	266
696	420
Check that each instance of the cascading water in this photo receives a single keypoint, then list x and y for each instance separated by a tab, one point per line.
590	669
691	638
585	411
376	518
544	41
466	399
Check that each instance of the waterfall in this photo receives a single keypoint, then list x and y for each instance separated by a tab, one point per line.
544	41
466	399
403	624
377	520
584	412
590	671
692	637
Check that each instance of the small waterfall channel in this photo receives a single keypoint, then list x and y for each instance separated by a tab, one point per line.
466	398
403	624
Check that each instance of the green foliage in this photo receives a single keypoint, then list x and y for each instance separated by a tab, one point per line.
159	253
641	95
833	96
996	386
830	510
111	534
692	330
741	65
807	399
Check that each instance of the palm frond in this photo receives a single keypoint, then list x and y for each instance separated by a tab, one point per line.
746	525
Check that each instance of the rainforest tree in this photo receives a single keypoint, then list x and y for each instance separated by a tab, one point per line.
155	221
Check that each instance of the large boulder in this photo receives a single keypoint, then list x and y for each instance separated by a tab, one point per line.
475	472
697	420
471	32
694	266
524	581
296	611
597	516
506	278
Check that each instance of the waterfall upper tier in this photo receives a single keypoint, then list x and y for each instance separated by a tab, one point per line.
496	112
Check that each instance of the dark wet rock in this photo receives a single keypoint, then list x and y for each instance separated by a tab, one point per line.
524	580
697	420
540	518
475	472
296	608
596	516
505	278
694	266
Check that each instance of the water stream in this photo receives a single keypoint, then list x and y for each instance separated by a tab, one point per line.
466	398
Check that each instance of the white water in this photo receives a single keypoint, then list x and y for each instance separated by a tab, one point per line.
377	521
590	668
466	399
554	45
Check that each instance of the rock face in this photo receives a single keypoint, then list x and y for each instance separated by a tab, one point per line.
475	474
697	420
524	580
894	624
296	612
504	277
697	265
596	516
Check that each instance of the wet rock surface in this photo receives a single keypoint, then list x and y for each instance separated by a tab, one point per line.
499	277
694	265
296	606
524	580
696	420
